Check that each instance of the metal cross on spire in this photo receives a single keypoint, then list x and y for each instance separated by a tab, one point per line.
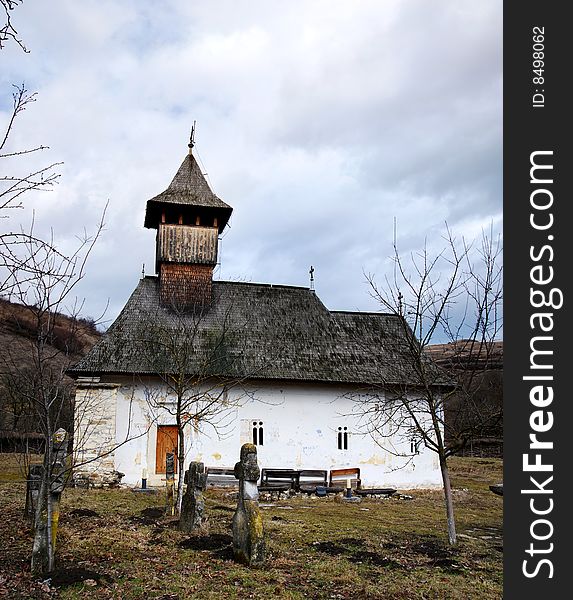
192	137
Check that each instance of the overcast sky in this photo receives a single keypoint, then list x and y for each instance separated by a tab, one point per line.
319	122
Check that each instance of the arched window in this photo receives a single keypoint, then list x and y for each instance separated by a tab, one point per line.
343	438
258	434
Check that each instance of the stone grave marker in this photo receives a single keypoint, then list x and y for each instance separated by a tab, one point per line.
248	534
193	507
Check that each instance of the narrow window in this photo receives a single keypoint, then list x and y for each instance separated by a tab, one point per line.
258	438
343	438
414	446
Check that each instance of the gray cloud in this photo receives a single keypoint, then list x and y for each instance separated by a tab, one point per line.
319	122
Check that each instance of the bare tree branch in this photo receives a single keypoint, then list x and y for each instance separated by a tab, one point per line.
7	30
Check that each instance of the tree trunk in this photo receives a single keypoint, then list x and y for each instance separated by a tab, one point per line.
181	467
449	500
40	549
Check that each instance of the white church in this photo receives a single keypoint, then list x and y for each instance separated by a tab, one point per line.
226	363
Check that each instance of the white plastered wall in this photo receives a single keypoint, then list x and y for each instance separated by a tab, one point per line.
300	424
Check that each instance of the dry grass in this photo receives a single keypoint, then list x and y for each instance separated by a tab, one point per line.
116	544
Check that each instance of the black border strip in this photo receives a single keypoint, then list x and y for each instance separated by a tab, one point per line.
532	124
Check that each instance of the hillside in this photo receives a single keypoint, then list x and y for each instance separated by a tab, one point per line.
69	340
456	355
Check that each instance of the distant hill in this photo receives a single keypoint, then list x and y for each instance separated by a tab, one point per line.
456	355
70	339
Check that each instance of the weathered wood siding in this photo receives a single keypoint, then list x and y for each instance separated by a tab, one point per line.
186	244
184	286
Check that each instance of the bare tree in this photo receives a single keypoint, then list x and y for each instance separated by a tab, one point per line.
198	362
454	295
44	288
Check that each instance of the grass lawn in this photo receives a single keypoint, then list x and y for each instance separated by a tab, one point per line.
117	544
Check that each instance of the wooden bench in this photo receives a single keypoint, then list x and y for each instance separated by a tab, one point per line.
310	479
339	477
221	476
387	492
278	480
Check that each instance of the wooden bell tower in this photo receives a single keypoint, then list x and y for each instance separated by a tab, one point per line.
188	217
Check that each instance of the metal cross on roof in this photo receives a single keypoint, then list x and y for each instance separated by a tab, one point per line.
311	272
192	138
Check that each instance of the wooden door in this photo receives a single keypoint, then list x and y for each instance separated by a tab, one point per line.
166	442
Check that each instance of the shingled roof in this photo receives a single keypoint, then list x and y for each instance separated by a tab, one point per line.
254	331
188	187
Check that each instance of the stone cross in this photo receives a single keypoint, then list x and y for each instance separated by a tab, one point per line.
248	535
193	505
170	482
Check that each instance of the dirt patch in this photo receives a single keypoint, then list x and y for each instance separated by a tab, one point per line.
342	546
149	516
215	541
352	550
448	564
83	512
72	575
431	551
432	548
153	512
219	544
401	554
374	558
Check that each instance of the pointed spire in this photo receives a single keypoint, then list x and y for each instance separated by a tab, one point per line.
190	188
188	193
